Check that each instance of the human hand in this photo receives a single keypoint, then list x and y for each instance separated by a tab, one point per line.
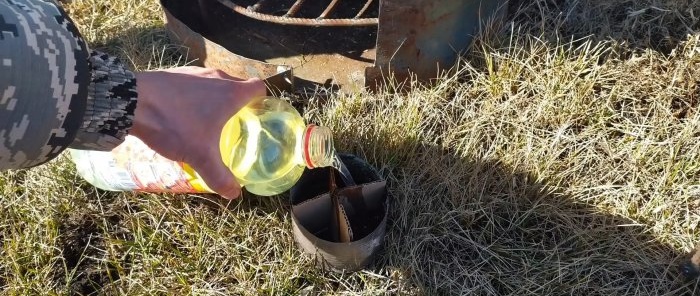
180	115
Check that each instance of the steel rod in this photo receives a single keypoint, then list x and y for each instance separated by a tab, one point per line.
295	8
329	9
255	7
364	8
299	21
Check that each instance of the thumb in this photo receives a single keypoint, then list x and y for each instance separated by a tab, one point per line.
218	177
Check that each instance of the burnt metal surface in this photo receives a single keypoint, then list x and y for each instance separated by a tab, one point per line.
288	18
332	58
424	37
210	54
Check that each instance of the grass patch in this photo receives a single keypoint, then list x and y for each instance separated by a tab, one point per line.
561	158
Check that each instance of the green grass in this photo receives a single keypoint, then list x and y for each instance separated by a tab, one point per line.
561	158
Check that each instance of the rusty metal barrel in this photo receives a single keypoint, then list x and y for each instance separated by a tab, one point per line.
340	45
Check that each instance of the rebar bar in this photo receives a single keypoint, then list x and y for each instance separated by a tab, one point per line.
319	22
364	9
329	9
295	8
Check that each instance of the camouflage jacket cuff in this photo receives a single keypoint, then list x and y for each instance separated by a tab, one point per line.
112	99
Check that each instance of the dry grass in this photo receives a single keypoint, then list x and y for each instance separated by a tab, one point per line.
563	158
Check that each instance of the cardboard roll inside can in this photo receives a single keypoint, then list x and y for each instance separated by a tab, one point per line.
342	227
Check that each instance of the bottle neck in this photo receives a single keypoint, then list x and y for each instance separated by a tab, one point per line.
318	150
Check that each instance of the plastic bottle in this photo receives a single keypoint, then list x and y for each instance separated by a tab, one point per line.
266	145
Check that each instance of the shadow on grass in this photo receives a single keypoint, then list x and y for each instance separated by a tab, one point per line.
461	226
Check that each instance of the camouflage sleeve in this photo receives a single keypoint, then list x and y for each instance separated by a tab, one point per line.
55	94
111	104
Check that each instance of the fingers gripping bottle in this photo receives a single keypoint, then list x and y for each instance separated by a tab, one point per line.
266	145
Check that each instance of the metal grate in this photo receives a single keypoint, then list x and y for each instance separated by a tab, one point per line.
290	17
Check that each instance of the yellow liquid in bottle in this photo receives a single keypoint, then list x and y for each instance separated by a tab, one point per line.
266	145
262	145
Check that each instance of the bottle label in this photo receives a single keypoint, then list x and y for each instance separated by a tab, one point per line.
133	166
105	168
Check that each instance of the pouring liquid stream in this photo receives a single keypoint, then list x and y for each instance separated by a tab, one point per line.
344	172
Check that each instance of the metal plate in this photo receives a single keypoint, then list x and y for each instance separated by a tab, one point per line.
424	37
